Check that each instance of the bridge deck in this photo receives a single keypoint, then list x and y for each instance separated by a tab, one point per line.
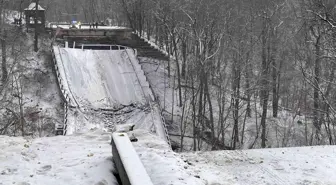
65	30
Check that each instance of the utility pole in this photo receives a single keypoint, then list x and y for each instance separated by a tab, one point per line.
36	26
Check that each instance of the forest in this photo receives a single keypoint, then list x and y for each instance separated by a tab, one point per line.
237	60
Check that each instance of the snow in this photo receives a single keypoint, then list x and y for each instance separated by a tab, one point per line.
134	169
301	165
288	130
107	79
41	102
83	158
155	71
32	6
164	166
152	43
292	166
140	75
10	15
41	94
101	79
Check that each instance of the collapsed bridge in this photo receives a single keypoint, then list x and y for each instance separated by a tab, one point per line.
103	85
103	80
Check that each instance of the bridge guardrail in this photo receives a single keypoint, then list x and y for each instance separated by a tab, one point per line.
154	99
61	129
150	86
130	168
120	47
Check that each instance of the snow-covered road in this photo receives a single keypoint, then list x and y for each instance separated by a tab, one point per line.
100	78
82	158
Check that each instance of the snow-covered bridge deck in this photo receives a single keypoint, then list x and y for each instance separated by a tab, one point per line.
100	79
65	30
107	80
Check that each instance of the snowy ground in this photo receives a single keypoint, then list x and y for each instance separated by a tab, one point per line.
161	84
292	166
300	165
83	158
287	130
163	166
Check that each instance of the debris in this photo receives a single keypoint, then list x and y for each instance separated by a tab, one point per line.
90	155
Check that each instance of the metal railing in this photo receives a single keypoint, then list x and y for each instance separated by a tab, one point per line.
111	47
153	98
159	106
61	129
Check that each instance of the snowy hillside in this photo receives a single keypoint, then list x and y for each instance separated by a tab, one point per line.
31	91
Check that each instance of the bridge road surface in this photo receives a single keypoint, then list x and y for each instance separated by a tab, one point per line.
100	78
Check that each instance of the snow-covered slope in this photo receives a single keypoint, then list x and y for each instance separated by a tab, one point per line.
68	160
100	78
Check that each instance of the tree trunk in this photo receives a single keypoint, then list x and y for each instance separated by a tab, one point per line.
207	93
264	84
317	68
193	103
275	99
178	69
248	74
236	94
4	58
200	108
184	56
